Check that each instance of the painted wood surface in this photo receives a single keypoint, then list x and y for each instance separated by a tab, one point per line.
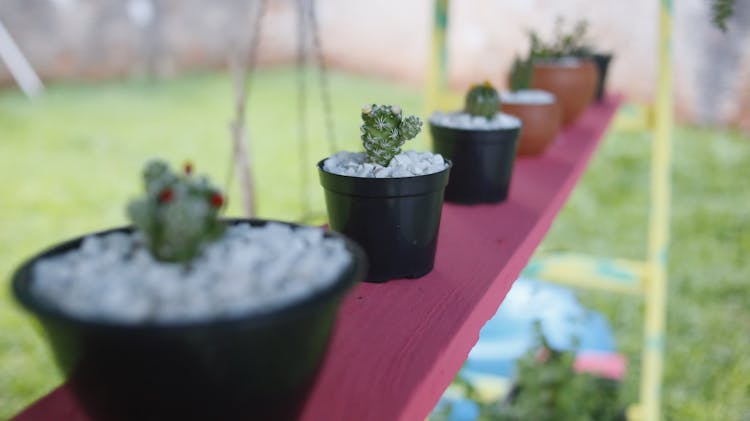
398	345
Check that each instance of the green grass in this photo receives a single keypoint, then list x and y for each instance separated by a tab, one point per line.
70	160
708	323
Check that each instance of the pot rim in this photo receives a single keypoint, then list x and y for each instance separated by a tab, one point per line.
499	132
529	89
22	278
568	62
531	104
447	168
386	187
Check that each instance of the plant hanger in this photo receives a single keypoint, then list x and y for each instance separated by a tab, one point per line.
307	30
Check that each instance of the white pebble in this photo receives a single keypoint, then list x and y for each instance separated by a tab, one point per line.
405	164
527	96
114	277
462	120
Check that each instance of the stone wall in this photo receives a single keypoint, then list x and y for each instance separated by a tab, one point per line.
97	39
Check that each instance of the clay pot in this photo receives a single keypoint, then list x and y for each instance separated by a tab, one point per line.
541	123
572	81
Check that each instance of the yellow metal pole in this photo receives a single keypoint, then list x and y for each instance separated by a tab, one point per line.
437	72
658	248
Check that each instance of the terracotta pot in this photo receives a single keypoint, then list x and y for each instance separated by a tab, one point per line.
573	83
541	122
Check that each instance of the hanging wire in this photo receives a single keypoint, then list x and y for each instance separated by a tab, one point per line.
302	29
243	74
307	28
325	91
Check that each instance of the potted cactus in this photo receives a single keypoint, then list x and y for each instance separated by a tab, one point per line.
481	142
186	316
562	68
538	110
577	45
386	200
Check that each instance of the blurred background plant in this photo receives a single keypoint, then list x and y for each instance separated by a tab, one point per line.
546	387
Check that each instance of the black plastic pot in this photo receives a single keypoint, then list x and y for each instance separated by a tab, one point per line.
482	162
395	220
602	63
254	367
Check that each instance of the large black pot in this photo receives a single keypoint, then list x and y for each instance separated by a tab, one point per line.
254	367
482	162
395	220
602	63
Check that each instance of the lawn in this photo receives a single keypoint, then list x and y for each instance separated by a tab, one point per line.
71	159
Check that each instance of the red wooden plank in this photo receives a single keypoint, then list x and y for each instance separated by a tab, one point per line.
398	345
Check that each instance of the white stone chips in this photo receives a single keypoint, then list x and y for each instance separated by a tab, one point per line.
527	96
405	164
462	120
250	269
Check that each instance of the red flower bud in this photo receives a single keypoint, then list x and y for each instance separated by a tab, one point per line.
188	168
166	195
217	200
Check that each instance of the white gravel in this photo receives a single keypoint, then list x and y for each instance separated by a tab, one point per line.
527	96
462	120
251	269
405	164
562	62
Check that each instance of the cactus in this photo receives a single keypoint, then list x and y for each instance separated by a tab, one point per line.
571	43
178	214
385	130
520	74
482	100
721	11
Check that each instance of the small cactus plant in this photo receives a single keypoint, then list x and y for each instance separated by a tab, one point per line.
567	43
385	130
178	214
482	100
520	74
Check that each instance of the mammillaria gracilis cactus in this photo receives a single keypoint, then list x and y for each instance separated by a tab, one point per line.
178	214
385	130
482	100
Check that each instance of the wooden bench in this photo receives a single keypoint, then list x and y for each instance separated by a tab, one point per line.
398	345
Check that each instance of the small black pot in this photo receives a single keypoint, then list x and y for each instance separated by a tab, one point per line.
254	367
395	220
482	162
602	63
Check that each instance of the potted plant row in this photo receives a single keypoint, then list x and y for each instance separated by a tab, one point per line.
183	315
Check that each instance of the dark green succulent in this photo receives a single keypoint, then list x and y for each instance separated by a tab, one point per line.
482	100
721	11
385	130
520	74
